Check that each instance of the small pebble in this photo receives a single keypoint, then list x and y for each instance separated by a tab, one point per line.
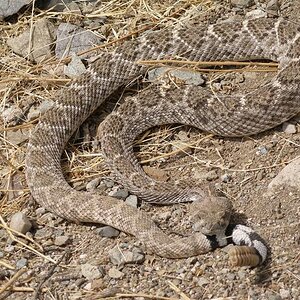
91	272
20	222
108	231
285	294
21	263
115	273
61	240
118	193
132	200
92	185
289	128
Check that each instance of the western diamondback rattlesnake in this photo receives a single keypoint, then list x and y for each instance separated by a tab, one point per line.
266	107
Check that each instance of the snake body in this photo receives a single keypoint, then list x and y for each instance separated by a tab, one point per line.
257	111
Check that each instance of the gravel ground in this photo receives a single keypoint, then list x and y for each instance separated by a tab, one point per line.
55	259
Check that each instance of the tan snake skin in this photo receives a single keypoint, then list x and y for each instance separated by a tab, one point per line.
264	108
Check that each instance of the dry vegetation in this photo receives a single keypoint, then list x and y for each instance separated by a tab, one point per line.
24	84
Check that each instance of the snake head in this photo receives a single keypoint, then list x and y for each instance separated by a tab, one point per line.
211	215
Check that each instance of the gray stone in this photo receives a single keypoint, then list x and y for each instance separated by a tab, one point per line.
211	175
108	183
73	39
41	40
43	233
262	150
188	76
256	13
108	231
91	272
132	200
21	263
11	114
118	193
17	137
72	7
40	211
120	257
20	222
92	185
115	273
288	176
35	112
202	281
10	7
75	68
225	177
273	7
285	294
61	240
289	128
242	3
55	5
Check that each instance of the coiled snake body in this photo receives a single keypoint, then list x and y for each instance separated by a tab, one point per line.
259	110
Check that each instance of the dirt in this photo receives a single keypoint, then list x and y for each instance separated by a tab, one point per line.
240	168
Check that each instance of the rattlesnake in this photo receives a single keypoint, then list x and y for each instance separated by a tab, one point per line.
259	110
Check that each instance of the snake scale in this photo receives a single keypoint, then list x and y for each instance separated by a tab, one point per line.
241	115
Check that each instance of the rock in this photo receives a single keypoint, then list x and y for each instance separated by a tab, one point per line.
188	76
288	176
72	7
73	39
285	294
92	185
211	175
21	263
61	240
132	200
108	183
91	272
43	233
261	150
10	7
242	3
35	112
88	286
40	211
289	128
256	13
12	115
120	257
108	231
118	193
55	5
20	222
75	68
225	178
43	34
115	273
202	281
17	137
273	8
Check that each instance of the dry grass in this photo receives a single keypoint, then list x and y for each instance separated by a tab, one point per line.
24	84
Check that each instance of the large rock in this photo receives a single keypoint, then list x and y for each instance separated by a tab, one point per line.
41	41
288	176
73	39
10	7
